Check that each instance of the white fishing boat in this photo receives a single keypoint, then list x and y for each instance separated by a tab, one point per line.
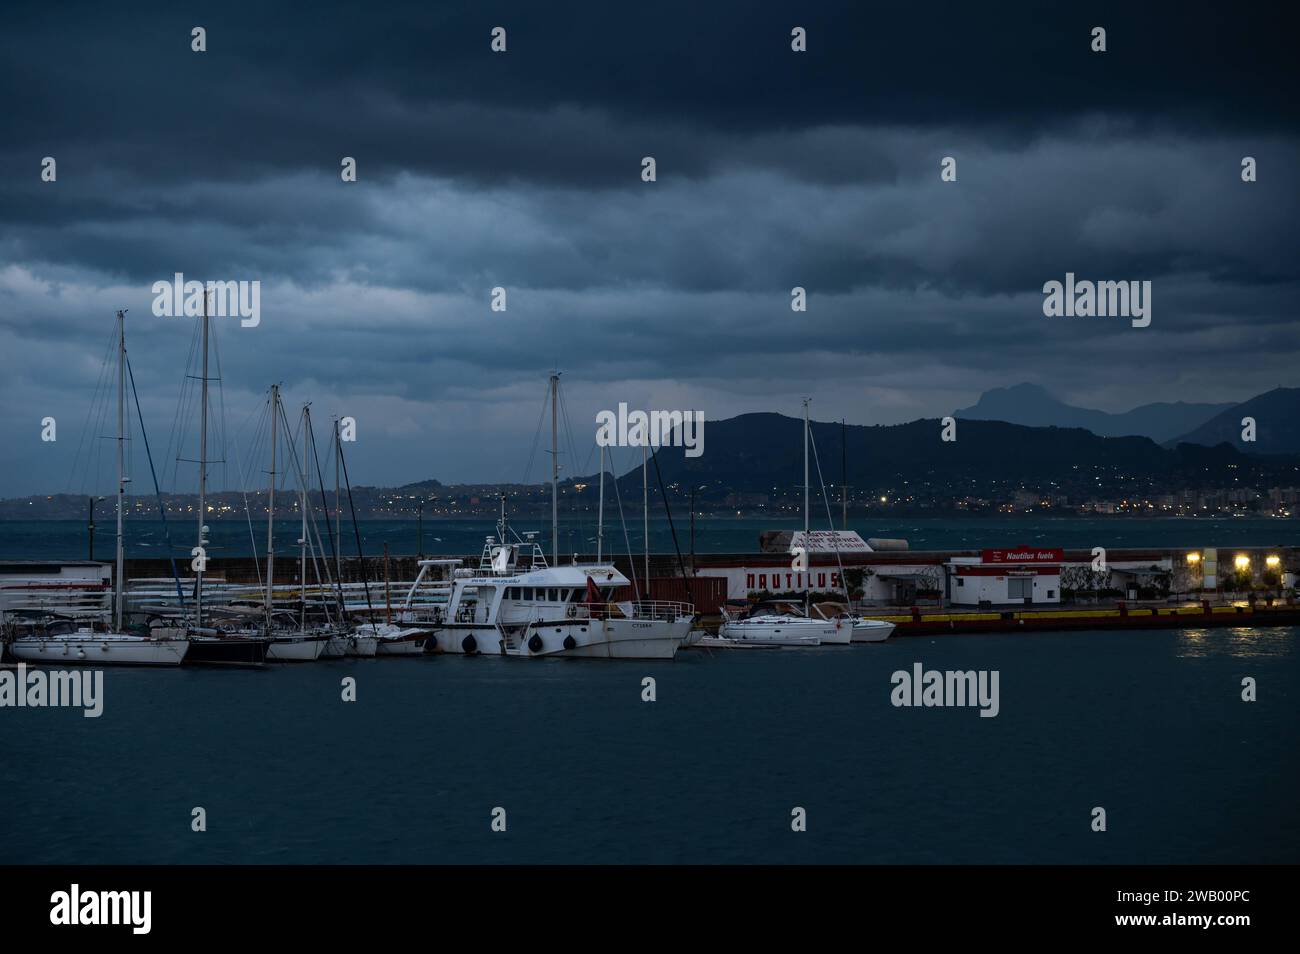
518	604
67	644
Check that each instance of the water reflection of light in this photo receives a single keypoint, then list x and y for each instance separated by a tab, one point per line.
1242	642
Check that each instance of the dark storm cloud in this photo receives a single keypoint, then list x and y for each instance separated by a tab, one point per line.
523	170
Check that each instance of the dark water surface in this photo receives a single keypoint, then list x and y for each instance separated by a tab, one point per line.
1148	725
67	539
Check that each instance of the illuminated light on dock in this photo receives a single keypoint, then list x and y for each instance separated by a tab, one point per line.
1272	560
1242	562
1193	558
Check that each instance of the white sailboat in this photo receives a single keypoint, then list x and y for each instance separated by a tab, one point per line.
783	625
83	645
861	629
303	645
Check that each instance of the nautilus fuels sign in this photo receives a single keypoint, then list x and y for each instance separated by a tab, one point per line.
1024	555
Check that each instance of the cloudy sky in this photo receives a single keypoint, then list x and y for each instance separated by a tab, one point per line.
523	170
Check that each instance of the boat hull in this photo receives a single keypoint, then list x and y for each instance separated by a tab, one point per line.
75	649
577	639
787	633
295	649
871	631
362	646
227	651
402	647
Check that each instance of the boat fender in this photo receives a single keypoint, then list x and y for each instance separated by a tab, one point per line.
570	642
534	643
469	643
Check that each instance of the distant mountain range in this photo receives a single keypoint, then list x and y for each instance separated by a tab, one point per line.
1277	424
1276	414
763	453
1034	406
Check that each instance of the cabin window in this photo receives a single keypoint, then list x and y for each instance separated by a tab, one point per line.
960	581
550	596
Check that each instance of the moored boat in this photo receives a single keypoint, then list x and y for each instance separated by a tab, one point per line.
90	648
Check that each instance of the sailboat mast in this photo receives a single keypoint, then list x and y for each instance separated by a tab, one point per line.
844	477
270	507
555	471
203	470
338	526
600	518
807	592
121	467
302	507
805	472
388	591
645	514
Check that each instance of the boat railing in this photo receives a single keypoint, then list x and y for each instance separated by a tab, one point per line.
641	609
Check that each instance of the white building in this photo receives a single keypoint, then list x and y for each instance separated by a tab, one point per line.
1004	577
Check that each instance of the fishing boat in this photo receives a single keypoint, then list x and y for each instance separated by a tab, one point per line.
518	604
72	644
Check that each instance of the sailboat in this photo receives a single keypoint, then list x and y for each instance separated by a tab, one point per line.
391	639
861	629
213	645
82	645
287	645
783	624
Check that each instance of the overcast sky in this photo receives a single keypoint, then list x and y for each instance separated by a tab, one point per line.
523	169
